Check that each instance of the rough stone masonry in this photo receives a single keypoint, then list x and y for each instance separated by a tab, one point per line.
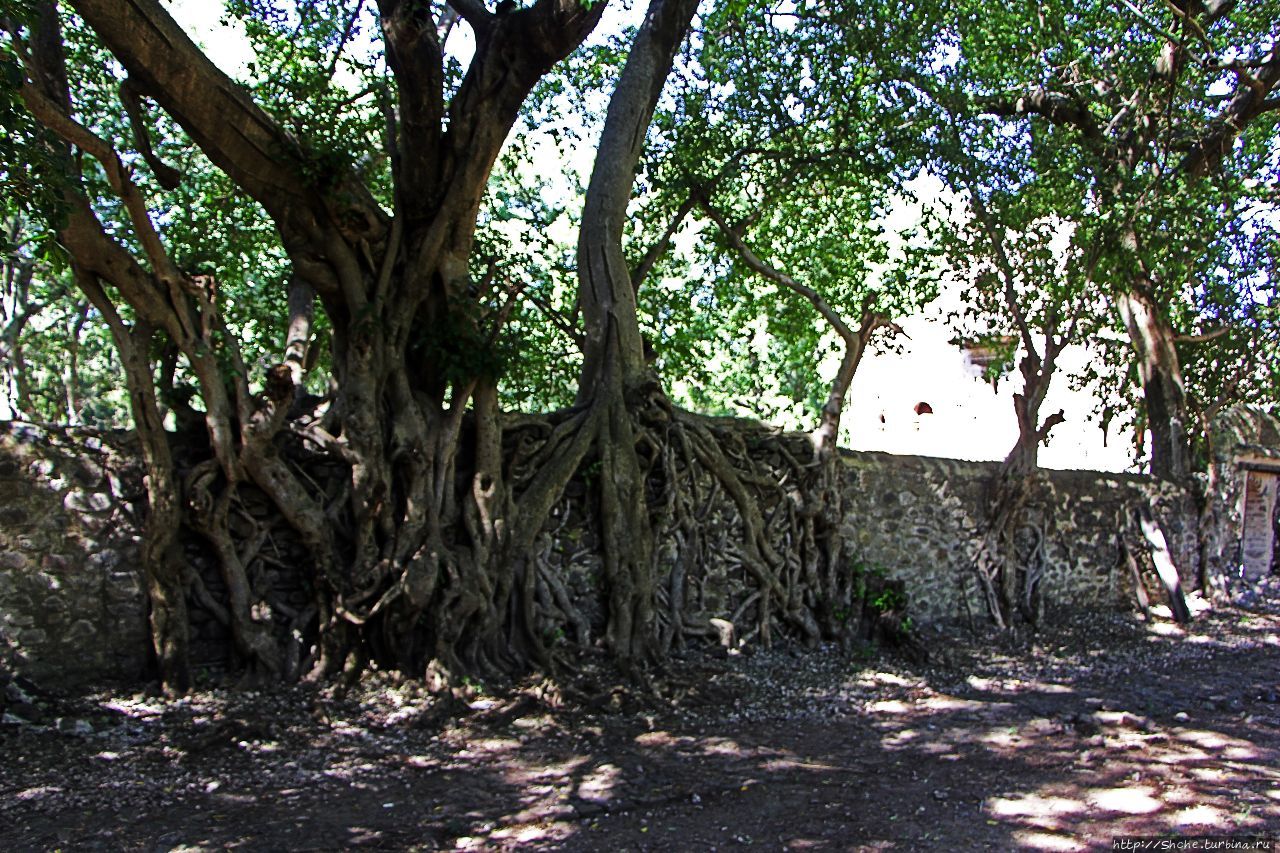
73	609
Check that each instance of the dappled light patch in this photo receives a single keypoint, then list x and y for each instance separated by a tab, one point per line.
1035	806
1047	841
1227	747
1208	775
1162	627
719	746
1046	751
1201	817
890	706
1002	739
782	765
880	679
526	773
899	739
950	705
942	749
660	739
36	793
489	748
597	784
532	835
362	836
1133	800
1199	639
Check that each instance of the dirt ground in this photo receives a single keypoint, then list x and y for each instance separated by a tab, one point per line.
1094	728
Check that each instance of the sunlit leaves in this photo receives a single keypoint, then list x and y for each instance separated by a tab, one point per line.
1135	89
317	69
782	121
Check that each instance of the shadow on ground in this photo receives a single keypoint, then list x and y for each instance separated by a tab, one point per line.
1098	728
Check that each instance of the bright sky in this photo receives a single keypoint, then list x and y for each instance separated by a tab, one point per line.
227	46
969	420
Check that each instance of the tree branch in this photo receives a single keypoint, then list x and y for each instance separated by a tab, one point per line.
1203	337
513	52
118	175
474	13
346	37
236	134
557	319
659	248
752	260
166	175
414	55
1053	106
1250	101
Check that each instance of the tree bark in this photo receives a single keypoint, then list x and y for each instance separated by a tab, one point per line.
428	557
614	351
1163	391
162	562
614	367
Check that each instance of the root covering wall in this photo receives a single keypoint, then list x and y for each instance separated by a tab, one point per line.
73	608
920	520
72	600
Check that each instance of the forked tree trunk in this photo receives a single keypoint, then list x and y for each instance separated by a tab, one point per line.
401	561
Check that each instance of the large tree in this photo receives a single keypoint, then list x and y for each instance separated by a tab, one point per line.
407	328
341	199
369	148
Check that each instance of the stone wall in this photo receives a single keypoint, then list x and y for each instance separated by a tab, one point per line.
920	520
72	600
1245	441
72	606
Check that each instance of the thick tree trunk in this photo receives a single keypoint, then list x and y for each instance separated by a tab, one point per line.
1010	583
432	556
405	566
615	379
1163	392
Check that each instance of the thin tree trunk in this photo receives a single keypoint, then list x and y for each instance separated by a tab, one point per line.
163	564
161	557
